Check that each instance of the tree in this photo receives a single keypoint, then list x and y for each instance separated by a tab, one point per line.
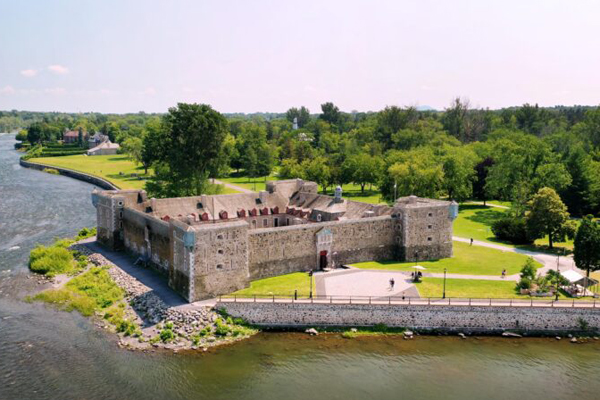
291	169
34	133
391	120
316	170
80	137
330	113
481	170
191	141
587	245
302	115
548	215
459	174
363	169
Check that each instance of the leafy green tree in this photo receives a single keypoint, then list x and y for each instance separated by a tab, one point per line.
301	114
80	137
391	120
587	245
193	137
548	215
291	169
363	169
34	133
459	174
317	170
330	113
133	146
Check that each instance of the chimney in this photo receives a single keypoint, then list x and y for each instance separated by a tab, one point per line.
338	194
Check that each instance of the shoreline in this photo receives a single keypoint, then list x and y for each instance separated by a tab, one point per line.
82	176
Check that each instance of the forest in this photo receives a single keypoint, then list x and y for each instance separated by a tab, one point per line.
458	153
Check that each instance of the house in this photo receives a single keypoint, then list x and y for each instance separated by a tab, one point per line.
104	148
96	139
73	137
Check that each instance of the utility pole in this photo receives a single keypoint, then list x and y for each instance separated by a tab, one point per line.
310	274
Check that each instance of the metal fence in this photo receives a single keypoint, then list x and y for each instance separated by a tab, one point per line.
404	300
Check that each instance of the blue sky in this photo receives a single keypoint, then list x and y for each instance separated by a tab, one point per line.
248	56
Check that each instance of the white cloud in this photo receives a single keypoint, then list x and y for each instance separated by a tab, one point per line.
150	91
29	73
7	90
58	69
55	91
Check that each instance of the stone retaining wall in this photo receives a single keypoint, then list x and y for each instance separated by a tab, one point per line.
94	180
475	319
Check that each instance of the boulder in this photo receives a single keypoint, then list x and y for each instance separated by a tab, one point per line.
511	334
312	331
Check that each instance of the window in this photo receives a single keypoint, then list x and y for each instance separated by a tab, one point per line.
276	222
429	239
265	223
319	217
220	251
199	205
429	226
220	236
254	223
287	222
430	215
219	266
121	214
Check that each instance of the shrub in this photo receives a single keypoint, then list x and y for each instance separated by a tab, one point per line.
512	230
85	233
98	285
524	283
528	271
221	328
51	260
167	335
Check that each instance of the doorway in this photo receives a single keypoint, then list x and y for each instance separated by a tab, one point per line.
323	260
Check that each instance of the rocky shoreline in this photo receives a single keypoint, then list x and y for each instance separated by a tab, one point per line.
198	327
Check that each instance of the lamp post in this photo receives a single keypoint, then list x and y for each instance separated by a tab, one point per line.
444	292
310	274
557	275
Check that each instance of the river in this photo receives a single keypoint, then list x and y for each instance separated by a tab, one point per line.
45	354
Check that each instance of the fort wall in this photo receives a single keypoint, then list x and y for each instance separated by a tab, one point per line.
477	319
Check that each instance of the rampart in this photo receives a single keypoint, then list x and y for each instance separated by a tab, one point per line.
476	319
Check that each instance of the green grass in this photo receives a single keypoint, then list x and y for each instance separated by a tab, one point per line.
475	221
108	167
283	285
256	184
352	192
114	168
52	260
468	288
87	293
469	260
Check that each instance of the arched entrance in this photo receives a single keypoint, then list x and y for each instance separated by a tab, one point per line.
323	260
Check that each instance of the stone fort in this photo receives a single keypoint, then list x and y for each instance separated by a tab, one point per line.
213	245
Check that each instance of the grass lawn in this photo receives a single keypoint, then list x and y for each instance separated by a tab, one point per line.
107	167
352	192
256	184
465	288
469	260
475	221
280	285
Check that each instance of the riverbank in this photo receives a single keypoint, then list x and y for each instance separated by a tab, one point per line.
139	317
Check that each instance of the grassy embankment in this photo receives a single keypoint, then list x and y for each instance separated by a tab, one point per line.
283	285
91	291
469	260
118	169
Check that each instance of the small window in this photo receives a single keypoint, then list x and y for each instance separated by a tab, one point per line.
265	222
220	236
121	214
148	209
319	217
429	226
276	222
258	201
120	224
254	223
120	203
220	251
430	215
219	266
287	222
429	239
199	205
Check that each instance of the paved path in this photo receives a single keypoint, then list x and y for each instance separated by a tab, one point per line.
480	203
232	186
548	260
368	283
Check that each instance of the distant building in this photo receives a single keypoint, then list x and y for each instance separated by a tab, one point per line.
73	137
96	139
103	149
295	125
213	245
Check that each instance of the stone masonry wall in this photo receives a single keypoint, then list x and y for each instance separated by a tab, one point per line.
427	233
221	259
451	318
282	250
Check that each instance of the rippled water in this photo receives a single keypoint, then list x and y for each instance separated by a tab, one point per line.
46	354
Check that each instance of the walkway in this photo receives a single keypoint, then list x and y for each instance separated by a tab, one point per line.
232	186
480	203
356	282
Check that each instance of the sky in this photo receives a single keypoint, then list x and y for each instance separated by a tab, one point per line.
267	56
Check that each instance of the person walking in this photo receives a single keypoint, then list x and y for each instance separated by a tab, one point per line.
503	273
392	283
471	242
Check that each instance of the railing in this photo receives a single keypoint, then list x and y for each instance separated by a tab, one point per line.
405	300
